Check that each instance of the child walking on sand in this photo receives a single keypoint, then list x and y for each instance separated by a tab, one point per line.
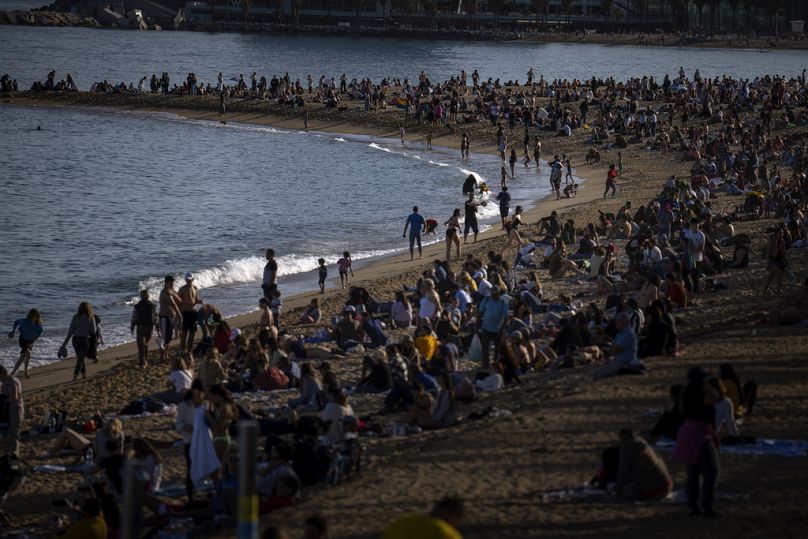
344	266
323	274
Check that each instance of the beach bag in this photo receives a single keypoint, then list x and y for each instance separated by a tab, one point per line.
475	349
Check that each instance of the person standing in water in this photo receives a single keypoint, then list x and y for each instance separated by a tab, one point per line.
537	152
453	233
30	329
189	299
512	162
169	313
82	328
416	223
470	221
464	146
322	274
504	199
270	273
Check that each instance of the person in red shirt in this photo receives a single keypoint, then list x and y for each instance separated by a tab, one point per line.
675	291
611	181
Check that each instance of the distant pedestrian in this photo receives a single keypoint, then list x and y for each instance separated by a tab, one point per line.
322	273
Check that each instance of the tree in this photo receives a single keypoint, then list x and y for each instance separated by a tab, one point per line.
566	5
606	7
541	9
245	7
734	5
495	6
432	8
472	8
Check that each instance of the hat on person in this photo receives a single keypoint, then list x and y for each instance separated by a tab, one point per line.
349	309
235	332
379	355
477	275
189	276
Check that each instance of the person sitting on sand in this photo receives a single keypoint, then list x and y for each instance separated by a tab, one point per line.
348	331
446	412
179	381
742	396
441	522
310	390
624	351
91	525
641	473
559	264
376	374
675	290
210	368
312	314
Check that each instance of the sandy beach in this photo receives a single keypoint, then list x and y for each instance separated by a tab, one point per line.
521	473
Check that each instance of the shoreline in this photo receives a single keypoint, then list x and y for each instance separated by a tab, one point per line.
44	378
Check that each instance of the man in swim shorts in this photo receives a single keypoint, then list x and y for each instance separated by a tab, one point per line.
416	224
169	312
189	299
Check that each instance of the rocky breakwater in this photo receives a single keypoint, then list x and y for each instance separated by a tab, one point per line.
46	18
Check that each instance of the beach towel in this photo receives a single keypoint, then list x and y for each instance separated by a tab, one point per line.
203	456
763	446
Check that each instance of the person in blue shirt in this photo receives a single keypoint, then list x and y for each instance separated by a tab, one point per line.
416	223
504	199
30	329
623	350
493	312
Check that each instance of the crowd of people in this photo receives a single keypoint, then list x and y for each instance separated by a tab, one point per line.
480	324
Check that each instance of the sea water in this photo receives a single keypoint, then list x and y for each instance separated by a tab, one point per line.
99	204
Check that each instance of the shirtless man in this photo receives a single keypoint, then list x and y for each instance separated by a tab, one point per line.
189	299
169	314
270	273
265	320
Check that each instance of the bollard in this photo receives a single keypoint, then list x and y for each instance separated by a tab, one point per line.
132	499
247	497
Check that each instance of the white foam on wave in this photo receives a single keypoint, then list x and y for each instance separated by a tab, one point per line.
250	270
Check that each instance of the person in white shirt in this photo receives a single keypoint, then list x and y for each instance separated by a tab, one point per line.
483	285
493	381
695	255
333	413
651	254
184	424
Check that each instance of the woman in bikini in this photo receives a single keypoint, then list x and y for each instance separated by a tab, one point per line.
220	418
513	229
453	233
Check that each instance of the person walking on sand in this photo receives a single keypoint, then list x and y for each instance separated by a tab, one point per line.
619	163
568	166
401	132
322	274
11	389
416	223
189	299
453	233
82	327
611	181
504	199
470	221
144	318
169	314
30	329
345	265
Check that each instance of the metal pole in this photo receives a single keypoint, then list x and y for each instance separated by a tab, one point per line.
132	499
247	497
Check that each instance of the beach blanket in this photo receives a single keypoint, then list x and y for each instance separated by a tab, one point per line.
203	456
764	446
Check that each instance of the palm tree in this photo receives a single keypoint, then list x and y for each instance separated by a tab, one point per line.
432	8
566	5
358	5
734	5
245	7
472	7
606	7
541	9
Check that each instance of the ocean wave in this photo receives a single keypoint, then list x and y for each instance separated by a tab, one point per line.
250	270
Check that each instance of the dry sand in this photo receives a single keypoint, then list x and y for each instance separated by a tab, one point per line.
505	467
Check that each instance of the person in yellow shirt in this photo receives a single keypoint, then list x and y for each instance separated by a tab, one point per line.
92	524
440	523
